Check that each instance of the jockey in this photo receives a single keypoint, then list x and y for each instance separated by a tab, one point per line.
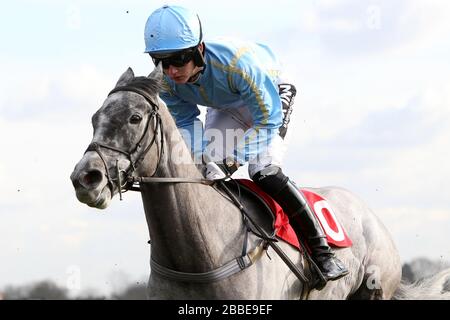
240	84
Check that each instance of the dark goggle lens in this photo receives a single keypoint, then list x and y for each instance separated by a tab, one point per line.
178	60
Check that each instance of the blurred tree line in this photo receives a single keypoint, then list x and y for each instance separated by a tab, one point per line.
47	290
421	268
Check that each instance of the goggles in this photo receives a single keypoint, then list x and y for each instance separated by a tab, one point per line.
178	60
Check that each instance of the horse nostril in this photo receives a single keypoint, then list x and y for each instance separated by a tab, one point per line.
91	179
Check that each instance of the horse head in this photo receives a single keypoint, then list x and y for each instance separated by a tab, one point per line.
125	129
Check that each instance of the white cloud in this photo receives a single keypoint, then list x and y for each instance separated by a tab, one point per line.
315	18
421	170
428	21
329	4
417	232
351	29
85	83
309	20
48	93
17	93
419	173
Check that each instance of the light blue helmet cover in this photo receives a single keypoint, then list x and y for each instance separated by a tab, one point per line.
171	28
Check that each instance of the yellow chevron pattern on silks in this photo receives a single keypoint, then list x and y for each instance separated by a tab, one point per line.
274	73
251	83
205	96
239	53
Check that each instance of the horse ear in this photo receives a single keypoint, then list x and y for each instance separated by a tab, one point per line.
157	73
125	78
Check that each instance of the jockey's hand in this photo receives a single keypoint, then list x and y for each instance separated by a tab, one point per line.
214	172
231	165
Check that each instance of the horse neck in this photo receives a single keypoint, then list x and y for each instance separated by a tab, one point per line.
182	217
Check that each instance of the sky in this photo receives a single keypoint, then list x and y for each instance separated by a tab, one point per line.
371	115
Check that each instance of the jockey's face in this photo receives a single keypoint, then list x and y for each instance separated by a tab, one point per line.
179	67
181	75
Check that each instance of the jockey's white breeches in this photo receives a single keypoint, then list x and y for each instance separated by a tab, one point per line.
226	127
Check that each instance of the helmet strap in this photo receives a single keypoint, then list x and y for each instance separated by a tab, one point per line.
199	58
195	77
199	61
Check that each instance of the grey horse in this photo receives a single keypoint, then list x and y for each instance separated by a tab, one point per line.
194	228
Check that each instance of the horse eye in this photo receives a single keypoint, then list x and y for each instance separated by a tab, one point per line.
135	118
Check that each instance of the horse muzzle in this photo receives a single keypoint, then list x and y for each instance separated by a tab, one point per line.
90	183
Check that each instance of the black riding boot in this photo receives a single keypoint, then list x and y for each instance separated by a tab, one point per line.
302	219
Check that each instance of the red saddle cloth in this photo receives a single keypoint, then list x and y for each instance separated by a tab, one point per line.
336	235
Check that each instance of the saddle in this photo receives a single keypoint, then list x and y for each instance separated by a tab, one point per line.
274	221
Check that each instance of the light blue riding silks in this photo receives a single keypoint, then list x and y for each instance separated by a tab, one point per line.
236	74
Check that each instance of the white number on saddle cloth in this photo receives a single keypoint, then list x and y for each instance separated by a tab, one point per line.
336	234
319	208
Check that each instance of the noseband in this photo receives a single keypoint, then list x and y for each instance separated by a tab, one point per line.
137	154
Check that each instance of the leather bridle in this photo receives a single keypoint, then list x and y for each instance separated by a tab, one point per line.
137	153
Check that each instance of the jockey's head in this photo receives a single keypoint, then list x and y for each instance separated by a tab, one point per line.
173	36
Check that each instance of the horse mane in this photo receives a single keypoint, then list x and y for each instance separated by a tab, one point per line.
150	85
